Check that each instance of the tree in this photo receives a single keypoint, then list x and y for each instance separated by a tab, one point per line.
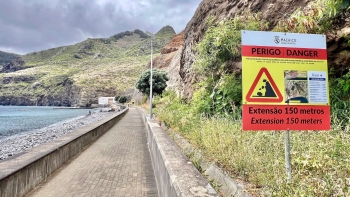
158	83
122	99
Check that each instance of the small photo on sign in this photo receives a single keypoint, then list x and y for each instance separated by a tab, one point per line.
296	86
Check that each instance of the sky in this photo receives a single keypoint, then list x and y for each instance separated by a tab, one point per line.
34	25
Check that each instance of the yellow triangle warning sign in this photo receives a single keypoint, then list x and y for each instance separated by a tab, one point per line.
264	89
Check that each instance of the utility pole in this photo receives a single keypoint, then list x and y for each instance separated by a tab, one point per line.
150	81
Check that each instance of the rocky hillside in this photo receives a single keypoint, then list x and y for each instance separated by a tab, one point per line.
77	75
6	58
169	59
273	11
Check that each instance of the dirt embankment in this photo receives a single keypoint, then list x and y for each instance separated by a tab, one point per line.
168	52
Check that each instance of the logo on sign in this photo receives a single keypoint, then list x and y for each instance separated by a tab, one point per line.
288	41
277	39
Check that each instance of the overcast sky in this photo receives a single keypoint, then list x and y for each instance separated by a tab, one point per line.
34	25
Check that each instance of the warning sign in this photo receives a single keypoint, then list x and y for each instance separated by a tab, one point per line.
264	89
283	72
269	117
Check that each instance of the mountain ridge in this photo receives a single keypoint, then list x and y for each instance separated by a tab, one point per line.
76	75
6	58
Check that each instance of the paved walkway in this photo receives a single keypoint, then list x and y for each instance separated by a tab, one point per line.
117	164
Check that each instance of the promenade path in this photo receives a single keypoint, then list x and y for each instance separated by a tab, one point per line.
117	164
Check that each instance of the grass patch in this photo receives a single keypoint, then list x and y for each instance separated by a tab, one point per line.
320	160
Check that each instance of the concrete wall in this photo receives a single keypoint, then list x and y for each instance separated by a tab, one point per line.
228	186
20	175
175	174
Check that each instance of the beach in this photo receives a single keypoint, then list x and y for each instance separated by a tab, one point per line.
14	145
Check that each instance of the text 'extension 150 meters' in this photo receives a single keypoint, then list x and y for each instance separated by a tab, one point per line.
285	81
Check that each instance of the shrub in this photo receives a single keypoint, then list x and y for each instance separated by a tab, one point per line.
77	56
158	83
315	18
201	102
340	100
123	99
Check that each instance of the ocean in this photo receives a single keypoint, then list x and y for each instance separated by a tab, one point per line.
18	119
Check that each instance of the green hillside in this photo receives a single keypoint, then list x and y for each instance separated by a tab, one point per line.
77	75
6	58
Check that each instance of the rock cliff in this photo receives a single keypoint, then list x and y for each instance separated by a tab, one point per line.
14	65
169	60
272	10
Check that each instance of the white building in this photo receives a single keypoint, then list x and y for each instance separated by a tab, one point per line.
106	100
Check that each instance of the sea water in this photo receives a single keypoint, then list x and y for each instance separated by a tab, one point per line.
18	119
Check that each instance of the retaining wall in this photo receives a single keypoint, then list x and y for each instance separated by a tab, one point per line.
176	176
20	175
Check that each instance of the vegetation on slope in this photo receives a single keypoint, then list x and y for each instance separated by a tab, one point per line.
320	160
211	121
80	73
6	58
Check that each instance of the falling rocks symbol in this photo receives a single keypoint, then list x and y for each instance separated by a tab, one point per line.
269	90
267	93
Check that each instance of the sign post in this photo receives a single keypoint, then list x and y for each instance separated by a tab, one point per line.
287	155
285	83
151	82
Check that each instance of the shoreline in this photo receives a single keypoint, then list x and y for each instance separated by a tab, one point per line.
14	145
74	108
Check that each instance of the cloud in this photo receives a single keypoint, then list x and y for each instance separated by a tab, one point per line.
32	25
